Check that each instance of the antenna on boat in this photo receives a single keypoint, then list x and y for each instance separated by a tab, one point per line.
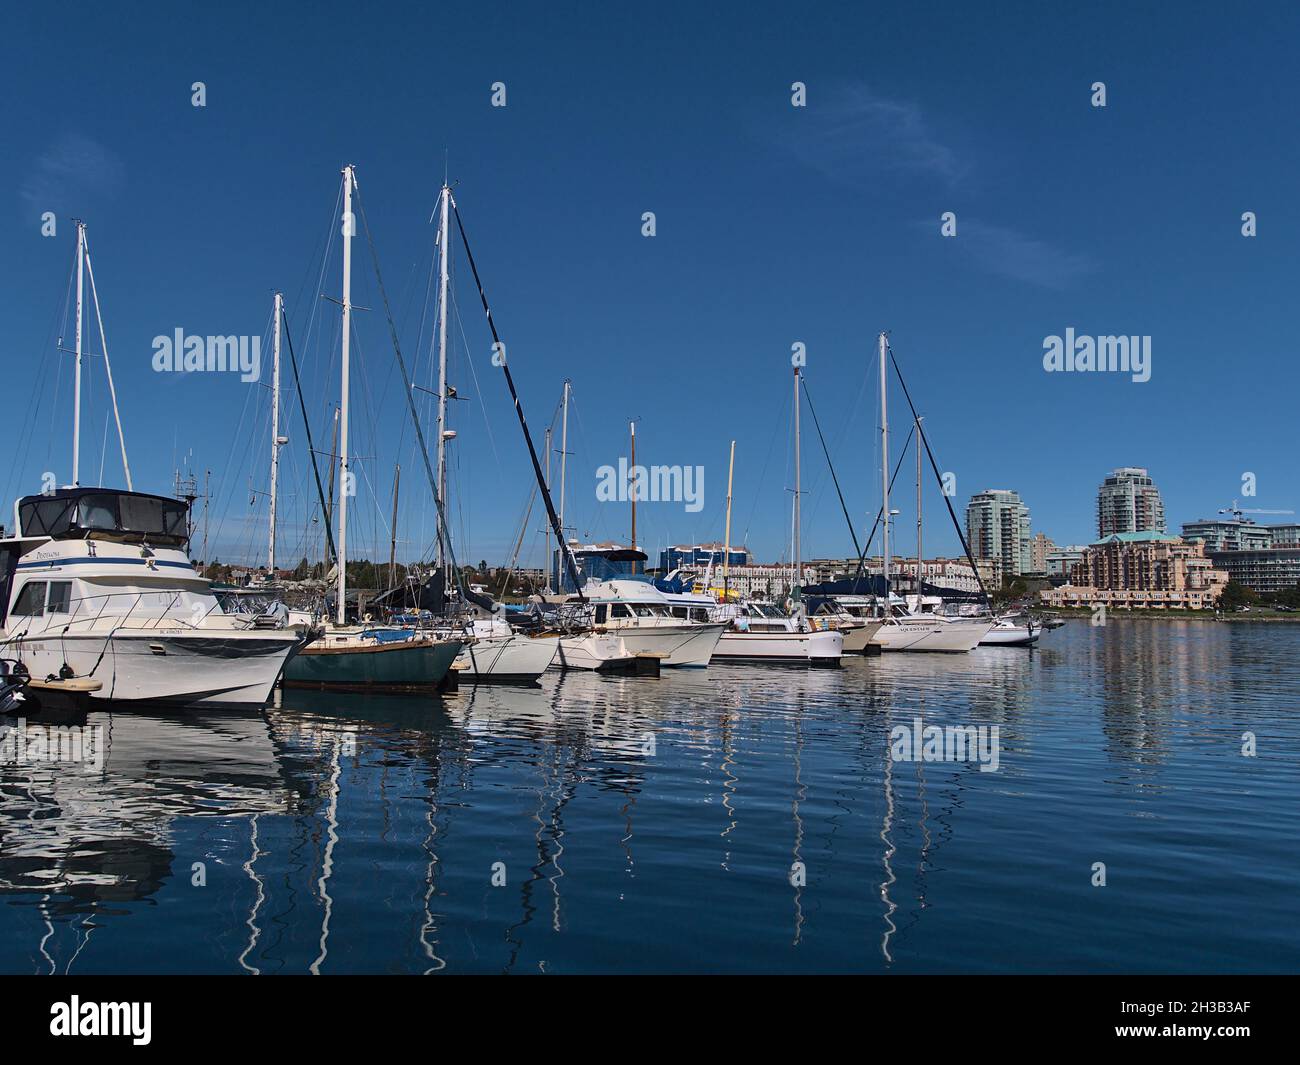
632	490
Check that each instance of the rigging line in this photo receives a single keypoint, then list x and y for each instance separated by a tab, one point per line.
569	561
311	447
410	399
771	443
830	465
108	369
938	477
478	388
880	513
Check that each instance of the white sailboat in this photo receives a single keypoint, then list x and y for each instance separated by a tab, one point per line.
100	599
761	632
493	651
1013	630
903	630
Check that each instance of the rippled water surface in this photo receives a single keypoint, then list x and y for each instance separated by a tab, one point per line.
662	824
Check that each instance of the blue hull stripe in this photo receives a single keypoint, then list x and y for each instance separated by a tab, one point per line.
100	561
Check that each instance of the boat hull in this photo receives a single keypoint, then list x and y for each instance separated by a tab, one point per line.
512	659
167	666
915	634
400	665
589	652
822	649
858	637
674	645
1011	636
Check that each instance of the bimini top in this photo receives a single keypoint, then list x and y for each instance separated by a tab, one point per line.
102	513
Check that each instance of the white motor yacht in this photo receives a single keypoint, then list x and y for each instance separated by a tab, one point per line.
640	615
761	632
100	598
925	628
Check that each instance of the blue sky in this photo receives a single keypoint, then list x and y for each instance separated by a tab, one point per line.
775	225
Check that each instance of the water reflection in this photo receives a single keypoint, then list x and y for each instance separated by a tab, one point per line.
610	824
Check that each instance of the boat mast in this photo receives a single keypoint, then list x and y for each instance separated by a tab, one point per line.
547	530
442	362
349	179
884	472
76	391
918	506
564	459
275	430
798	555
392	543
726	547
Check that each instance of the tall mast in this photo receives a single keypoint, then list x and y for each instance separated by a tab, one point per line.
918	506
798	557
547	530
726	547
275	430
76	391
392	543
564	456
349	179
884	471
444	249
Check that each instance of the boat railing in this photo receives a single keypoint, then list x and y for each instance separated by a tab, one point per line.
84	615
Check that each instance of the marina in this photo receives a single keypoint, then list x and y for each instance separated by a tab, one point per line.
566	490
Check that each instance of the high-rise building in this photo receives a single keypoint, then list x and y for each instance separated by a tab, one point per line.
1129	501
1039	548
997	527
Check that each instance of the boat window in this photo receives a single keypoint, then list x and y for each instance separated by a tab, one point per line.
618	610
145	514
700	614
97	512
679	612
600	614
31	600
45	517
60	601
642	611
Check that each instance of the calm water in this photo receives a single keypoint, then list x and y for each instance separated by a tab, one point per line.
650	825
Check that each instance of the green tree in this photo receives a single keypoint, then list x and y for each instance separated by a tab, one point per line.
1236	595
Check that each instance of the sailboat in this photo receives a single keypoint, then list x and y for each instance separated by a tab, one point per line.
98	596
1013	630
494	652
761	632
354	657
904	629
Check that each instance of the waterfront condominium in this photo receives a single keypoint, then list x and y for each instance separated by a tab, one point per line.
1129	501
997	527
